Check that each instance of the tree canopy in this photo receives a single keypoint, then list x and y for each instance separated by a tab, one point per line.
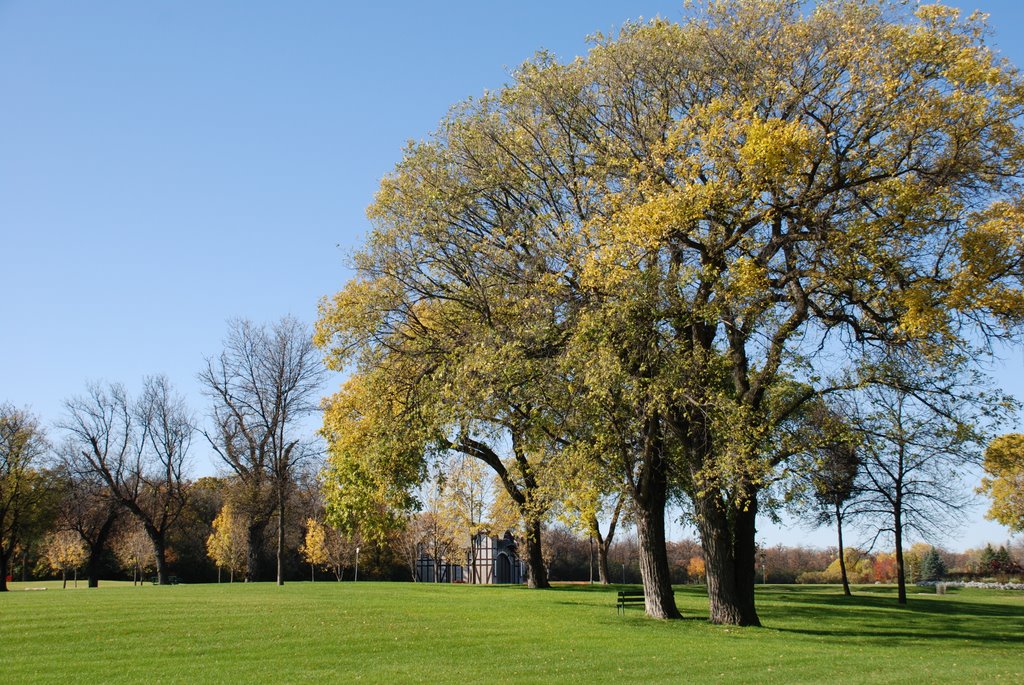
23	447
685	237
1004	482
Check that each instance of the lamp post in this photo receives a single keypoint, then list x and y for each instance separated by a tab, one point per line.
357	564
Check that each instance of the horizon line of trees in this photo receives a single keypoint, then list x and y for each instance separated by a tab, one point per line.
120	473
194	554
68	520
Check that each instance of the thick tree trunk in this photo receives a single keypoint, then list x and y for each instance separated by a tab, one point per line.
96	547
727	537
654	569
842	553
4	565
159	551
745	553
92	565
650	496
254	550
536	571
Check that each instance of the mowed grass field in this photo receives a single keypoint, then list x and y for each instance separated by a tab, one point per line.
330	632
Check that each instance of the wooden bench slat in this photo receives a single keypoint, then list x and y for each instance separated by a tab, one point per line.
629	598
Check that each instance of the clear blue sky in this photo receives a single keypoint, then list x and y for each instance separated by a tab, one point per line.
165	166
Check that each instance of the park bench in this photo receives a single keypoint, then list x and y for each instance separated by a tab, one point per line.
173	580
630	598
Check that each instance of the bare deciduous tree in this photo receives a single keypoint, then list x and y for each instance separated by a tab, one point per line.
917	439
88	508
265	380
139	450
134	552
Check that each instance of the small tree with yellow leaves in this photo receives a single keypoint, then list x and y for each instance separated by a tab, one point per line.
134	552
227	545
695	569
64	551
314	548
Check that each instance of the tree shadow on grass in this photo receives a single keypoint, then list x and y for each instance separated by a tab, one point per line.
919	602
869	615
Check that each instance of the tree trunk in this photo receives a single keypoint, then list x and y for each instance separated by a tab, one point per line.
96	547
24	563
159	551
64	579
727	537
161	564
649	497
254	550
745	554
92	564
901	577
4	561
842	552
602	564
280	534
654	569
536	571
604	542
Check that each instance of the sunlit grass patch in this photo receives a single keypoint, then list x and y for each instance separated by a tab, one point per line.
391	632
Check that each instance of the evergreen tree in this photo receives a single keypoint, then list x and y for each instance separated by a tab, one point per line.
932	566
987	562
1001	561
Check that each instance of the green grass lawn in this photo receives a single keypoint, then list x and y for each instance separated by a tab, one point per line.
405	633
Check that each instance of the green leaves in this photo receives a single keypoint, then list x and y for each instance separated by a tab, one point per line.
652	259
